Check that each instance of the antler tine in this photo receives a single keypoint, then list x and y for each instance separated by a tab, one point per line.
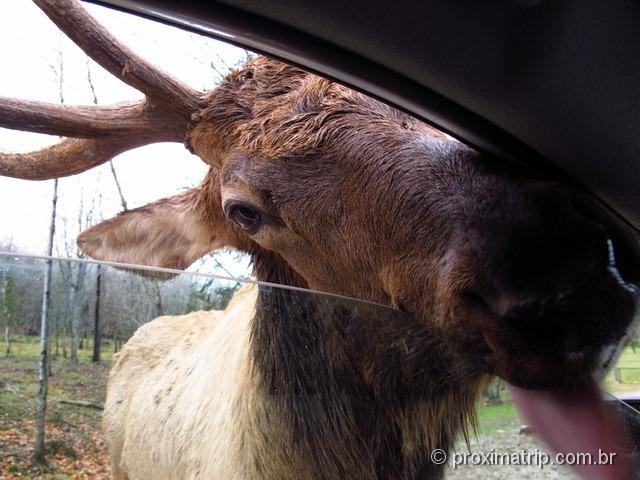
68	157
129	118
116	58
101	133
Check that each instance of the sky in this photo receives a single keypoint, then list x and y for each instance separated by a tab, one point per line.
32	52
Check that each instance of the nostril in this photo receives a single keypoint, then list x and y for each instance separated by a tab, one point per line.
510	308
552	311
504	306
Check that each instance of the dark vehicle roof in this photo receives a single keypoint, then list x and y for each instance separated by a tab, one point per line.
553	86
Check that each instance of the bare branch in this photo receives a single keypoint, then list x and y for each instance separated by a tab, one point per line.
58	69
70	156
79	403
223	62
130	118
116	58
96	133
91	86
215	69
113	169
115	179
60	73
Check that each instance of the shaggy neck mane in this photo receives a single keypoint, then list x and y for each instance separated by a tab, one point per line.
349	389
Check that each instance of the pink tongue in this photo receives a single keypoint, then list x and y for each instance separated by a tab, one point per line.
577	423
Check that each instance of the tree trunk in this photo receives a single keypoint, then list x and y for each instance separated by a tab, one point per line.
7	340
49	343
65	335
38	452
96	318
493	392
77	311
75	337
5	311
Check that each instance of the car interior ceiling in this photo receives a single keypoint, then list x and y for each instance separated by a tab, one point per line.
548	85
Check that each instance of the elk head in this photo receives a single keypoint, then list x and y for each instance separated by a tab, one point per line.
331	190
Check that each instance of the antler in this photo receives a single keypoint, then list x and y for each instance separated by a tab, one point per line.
68	157
122	119
100	132
117	59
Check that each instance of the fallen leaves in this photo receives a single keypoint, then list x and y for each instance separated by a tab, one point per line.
75	444
75	458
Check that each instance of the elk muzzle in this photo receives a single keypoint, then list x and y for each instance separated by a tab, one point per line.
546	304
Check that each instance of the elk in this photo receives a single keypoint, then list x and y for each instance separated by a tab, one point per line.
479	270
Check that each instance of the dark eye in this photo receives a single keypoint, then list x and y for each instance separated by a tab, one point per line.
247	217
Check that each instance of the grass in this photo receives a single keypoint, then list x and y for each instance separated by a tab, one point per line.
74	435
493	419
25	346
629	363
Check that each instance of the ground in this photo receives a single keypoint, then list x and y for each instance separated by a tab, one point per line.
505	441
499	432
76	448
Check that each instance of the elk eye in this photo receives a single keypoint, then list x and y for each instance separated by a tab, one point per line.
247	217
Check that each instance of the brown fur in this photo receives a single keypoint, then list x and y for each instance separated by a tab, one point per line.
491	272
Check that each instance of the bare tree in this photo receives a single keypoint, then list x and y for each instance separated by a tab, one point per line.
111	167
3	308
45	337
73	277
97	338
153	289
8	306
39	451
76	310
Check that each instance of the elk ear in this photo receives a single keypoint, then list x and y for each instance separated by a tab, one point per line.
170	233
